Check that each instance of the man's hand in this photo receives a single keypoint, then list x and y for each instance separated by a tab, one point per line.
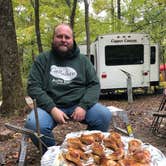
58	115
78	114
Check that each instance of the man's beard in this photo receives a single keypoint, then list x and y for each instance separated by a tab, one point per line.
61	54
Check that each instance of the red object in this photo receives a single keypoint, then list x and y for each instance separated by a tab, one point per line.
104	75
162	67
145	73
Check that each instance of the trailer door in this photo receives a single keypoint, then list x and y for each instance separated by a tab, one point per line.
154	65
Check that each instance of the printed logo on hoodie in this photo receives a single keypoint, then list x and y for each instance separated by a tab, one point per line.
62	75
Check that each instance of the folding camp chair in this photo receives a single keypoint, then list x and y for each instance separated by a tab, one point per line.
158	126
26	133
120	116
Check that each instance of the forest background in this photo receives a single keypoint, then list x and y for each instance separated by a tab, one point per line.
26	29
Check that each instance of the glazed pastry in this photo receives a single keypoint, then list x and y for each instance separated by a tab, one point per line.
74	157
75	143
117	155
107	162
109	143
87	139
134	145
97	149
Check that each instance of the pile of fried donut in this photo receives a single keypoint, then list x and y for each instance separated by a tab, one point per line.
95	146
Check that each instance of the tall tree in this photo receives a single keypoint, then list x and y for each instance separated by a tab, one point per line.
35	5
12	91
87	27
118	10
118	14
112	15
73	11
37	25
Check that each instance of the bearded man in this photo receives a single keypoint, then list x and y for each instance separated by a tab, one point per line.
65	85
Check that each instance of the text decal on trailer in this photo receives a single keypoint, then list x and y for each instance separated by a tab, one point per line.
123	41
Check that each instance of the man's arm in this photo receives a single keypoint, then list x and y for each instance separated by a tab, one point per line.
91	95
36	87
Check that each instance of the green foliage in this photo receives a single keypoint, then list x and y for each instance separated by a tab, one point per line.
136	16
101	5
27	61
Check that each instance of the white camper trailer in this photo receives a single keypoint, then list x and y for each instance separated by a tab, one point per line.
113	55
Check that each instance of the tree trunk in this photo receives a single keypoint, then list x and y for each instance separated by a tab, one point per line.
37	26
118	9
73	13
112	16
68	3
32	51
12	91
118	15
87	26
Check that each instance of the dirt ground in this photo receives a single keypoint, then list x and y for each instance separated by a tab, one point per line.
139	113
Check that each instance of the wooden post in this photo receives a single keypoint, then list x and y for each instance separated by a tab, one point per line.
38	127
129	86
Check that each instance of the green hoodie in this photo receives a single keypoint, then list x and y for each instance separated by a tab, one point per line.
63	82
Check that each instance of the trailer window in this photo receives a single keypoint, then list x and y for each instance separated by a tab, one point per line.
152	55
124	55
92	59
